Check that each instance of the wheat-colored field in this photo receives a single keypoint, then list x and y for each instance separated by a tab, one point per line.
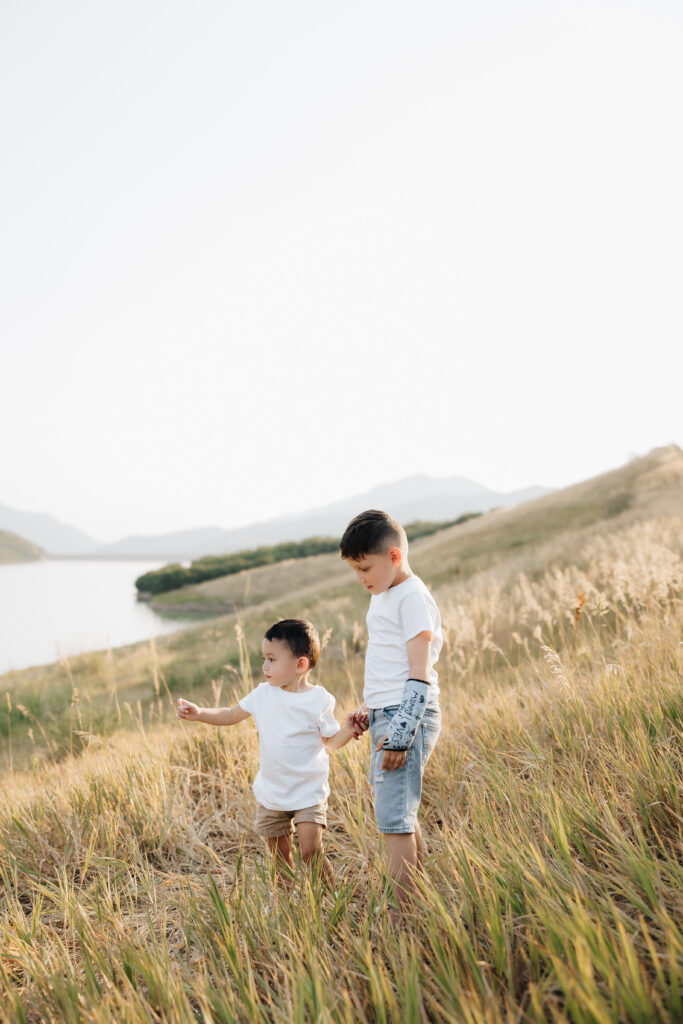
134	890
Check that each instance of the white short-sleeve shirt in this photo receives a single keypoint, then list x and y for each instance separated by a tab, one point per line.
395	617
293	763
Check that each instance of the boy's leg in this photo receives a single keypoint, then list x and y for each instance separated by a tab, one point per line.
405	856
420	848
280	850
276	828
403	862
310	836
397	797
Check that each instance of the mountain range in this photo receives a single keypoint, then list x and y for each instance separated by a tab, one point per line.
54	536
415	497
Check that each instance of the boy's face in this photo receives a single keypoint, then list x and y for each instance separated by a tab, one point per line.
378	572
280	666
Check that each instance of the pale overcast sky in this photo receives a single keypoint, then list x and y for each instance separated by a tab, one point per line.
258	256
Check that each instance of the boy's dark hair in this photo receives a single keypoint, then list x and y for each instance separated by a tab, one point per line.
300	636
371	533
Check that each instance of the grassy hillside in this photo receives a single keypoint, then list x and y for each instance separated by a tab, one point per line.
529	538
134	888
14	548
254	586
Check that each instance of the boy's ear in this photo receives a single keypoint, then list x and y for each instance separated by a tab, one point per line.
396	556
302	663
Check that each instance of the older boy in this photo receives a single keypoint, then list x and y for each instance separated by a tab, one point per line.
401	685
296	727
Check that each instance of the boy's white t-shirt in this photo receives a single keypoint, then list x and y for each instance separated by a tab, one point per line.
293	762
394	617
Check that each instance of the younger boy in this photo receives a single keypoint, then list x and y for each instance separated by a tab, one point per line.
296	727
401	685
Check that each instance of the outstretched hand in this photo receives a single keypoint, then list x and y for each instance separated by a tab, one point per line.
186	710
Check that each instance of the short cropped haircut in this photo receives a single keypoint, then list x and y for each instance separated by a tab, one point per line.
371	533
300	636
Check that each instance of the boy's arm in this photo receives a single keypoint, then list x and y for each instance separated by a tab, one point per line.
340	739
189	712
419	661
419	656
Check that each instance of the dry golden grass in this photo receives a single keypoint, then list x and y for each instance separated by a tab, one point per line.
134	889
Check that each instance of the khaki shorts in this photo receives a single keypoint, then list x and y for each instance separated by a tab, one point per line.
270	824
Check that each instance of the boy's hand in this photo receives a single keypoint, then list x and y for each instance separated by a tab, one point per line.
359	722
187	711
392	759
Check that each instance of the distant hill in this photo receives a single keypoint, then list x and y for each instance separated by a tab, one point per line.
416	497
644	488
15	549
55	537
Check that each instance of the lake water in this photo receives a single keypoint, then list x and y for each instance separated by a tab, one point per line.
52	608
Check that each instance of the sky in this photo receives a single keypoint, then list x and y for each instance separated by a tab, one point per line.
257	257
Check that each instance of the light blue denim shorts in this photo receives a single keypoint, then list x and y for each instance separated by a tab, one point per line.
397	794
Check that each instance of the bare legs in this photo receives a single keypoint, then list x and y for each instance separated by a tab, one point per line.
405	854
420	848
280	849
310	837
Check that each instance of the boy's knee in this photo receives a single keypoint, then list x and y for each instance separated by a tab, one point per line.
310	851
